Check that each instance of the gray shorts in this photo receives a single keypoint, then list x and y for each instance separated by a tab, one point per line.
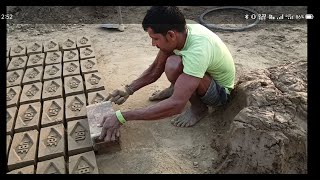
216	95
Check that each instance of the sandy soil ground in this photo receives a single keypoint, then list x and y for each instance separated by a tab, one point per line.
157	146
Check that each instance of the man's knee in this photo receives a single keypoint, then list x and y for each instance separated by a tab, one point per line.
173	67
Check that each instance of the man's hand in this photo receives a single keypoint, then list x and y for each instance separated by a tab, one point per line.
110	128
120	96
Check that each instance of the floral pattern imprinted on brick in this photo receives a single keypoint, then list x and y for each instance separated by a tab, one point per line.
35	46
17	62
51	45
36	58
11	94
71	67
32	91
13	77
54	109
76	104
73	83
33	73
94	79
18	49
24	146
68	43
52	71
83	40
52	87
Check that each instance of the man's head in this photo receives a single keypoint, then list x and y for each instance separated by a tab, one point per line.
163	23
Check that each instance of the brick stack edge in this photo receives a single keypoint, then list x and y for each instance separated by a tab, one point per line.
47	126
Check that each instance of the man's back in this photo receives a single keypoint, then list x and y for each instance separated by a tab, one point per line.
205	52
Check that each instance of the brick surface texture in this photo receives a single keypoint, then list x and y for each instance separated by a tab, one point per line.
84	163
88	66
79	139
71	68
50	46
24	170
71	55
32	75
28	117
34	48
52	72
53	112
51	142
87	53
14	78
52	166
31	93
13	96
36	60
75	107
18	50
94	82
73	85
83	41
18	63
23	150
53	58
11	119
52	89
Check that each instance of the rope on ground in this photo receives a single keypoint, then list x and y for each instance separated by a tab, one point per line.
214	26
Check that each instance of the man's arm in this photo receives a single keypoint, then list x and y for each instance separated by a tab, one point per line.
153	73
184	87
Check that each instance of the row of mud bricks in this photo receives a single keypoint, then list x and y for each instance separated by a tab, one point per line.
49	85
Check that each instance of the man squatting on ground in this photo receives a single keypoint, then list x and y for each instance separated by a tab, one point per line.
196	62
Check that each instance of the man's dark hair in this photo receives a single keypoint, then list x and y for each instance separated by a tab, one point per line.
161	19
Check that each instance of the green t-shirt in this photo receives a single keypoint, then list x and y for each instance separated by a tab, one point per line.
204	52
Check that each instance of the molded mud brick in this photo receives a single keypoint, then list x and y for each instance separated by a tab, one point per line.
79	139
28	117
93	82
18	50
52	166
75	107
24	170
14	78
52	89
9	140
50	46
84	163
51	142
36	60
95	114
18	63
33	75
11	119
31	93
52	72
53	112
53	58
13	96
87	53
71	68
97	97
83	41
34	48
88	66
23	150
73	85
68	44
72	55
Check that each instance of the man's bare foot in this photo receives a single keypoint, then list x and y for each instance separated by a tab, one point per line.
189	117
160	95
